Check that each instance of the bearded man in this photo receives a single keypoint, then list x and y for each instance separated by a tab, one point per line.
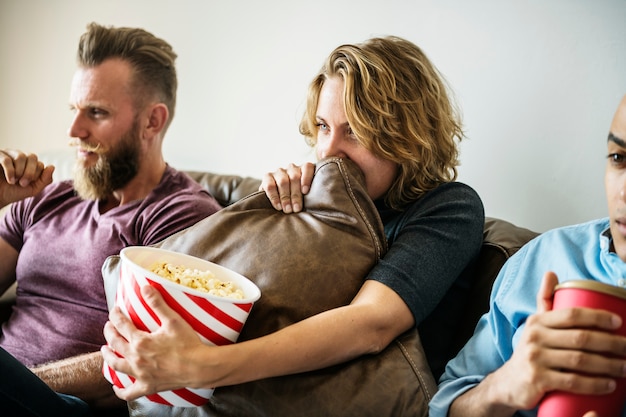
55	236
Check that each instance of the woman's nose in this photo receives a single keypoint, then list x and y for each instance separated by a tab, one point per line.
331	145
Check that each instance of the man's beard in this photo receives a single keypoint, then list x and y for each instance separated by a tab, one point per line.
113	170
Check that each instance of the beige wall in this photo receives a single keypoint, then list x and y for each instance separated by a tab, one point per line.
538	82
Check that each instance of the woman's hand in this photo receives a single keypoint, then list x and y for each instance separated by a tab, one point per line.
285	187
161	360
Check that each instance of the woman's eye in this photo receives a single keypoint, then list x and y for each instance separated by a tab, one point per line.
322	126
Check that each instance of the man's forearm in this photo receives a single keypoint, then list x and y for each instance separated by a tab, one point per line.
82	377
478	402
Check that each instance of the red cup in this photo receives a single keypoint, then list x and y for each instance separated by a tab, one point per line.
591	294
217	320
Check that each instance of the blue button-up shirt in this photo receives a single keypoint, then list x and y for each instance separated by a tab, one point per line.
572	252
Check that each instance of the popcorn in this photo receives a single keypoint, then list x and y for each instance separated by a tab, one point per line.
204	281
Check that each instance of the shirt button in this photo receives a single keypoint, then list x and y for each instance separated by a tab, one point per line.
621	282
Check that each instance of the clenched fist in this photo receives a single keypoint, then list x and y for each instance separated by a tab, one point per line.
23	175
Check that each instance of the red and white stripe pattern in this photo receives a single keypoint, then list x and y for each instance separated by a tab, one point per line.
216	321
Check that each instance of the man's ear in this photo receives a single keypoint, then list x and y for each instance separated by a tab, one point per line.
157	117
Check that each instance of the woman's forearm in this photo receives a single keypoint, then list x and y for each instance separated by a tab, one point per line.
326	339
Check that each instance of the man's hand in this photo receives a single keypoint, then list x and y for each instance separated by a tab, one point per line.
567	350
23	175
285	187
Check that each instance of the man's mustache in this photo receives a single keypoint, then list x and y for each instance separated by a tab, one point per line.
84	146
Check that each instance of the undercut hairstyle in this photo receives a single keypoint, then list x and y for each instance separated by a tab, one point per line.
152	60
399	107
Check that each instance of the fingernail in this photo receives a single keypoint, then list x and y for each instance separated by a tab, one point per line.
296	207
611	386
616	321
287	208
305	189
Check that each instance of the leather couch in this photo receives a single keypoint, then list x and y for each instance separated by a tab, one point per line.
501	240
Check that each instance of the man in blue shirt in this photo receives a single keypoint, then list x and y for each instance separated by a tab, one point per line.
521	349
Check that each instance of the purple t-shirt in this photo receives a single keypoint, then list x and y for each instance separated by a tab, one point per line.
63	241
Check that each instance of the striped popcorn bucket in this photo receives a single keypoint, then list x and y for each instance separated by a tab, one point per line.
217	320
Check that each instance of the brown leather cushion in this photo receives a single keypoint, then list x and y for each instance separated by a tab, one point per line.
306	263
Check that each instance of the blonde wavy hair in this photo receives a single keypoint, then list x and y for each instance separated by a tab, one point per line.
399	107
